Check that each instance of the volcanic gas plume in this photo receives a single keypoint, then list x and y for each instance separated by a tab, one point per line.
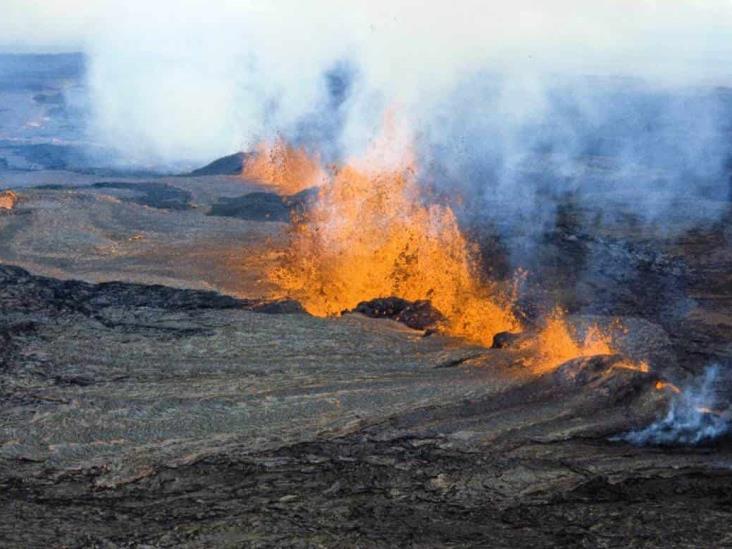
692	417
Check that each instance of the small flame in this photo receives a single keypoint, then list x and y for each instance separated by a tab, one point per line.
666	386
286	168
370	235
556	345
641	366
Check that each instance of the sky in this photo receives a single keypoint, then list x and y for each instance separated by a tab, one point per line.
63	25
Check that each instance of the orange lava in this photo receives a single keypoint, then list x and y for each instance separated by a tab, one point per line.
555	344
665	385
635	366
371	235
286	168
8	200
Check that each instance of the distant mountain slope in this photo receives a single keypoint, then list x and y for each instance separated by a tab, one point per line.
227	165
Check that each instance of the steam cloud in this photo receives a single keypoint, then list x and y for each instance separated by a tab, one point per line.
613	102
691	418
188	80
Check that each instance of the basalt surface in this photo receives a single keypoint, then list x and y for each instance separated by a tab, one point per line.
144	415
96	229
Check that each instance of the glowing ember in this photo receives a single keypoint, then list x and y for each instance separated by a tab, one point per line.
369	235
665	385
8	200
286	168
555	345
635	366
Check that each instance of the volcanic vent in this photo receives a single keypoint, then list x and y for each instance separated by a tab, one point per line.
370	234
374	241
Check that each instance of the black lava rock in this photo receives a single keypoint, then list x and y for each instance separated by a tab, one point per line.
264	206
154	195
505	340
419	315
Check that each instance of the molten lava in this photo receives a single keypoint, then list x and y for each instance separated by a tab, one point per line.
8	200
286	168
665	385
555	344
370	235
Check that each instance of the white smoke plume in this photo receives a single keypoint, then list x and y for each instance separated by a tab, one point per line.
692	417
184	81
514	104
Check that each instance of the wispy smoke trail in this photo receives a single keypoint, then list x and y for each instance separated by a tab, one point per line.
691	419
518	146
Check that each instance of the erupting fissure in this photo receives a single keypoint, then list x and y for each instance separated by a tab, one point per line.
371	234
555	344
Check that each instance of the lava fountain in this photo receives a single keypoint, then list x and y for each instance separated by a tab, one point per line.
555	344
285	168
371	234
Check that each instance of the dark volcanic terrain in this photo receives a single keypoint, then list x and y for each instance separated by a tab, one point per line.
145	415
172	415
